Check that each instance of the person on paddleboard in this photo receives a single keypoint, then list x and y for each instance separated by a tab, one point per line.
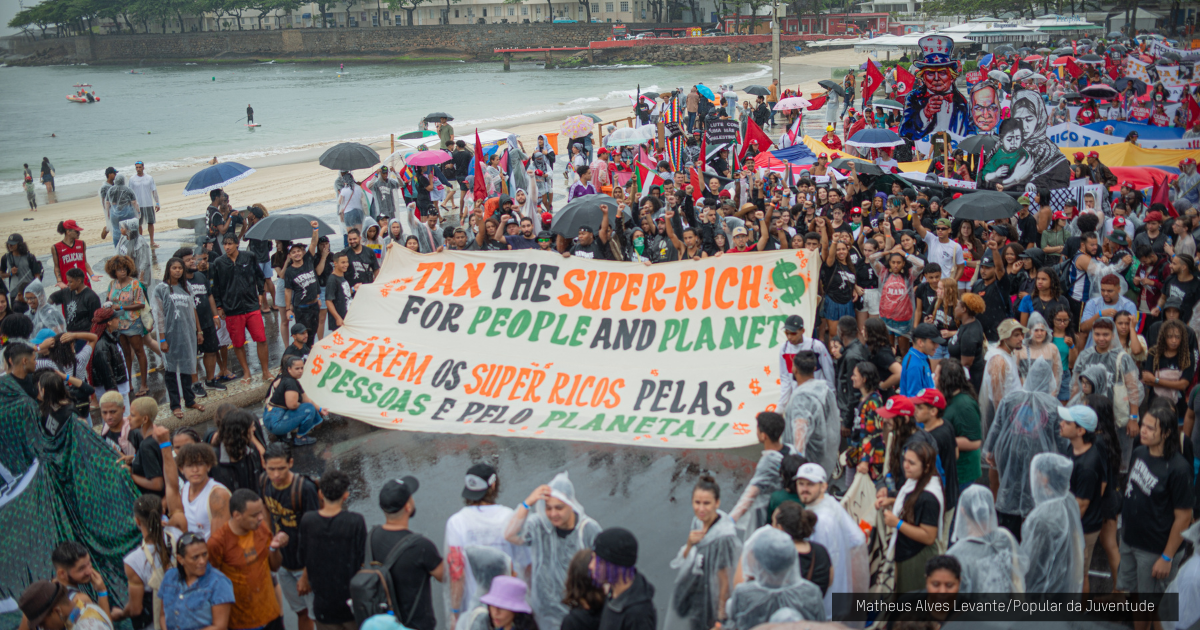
249	115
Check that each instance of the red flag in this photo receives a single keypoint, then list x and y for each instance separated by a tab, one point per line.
817	103
703	151
904	81
754	132
872	81
1016	65
1193	109
480	185
697	186
1073	68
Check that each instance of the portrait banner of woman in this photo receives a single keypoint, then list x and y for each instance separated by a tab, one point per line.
1044	165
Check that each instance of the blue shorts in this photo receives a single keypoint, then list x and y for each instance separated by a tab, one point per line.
267	271
898	328
941	353
833	311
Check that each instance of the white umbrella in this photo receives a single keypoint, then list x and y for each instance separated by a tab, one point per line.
629	136
792	102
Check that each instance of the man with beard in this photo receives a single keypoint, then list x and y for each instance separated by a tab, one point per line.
936	105
1100	174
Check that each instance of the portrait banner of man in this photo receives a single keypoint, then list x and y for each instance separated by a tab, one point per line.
985	107
936	105
1026	154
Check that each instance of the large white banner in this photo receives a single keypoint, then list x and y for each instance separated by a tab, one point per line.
531	344
1072	135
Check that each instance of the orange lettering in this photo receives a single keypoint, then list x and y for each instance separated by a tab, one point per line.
560	381
377	364
521	376
593	294
478	374
425	269
727	277
687	282
751	287
507	374
396	362
591	380
652	301
538	378
472	283
616	282
573	294
445	282
708	285
633	288
613	386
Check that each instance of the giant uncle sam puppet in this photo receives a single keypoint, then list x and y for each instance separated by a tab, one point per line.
936	105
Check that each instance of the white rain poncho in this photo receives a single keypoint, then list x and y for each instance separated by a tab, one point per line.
386	193
47	314
541	162
989	554
1004	377
482	527
698	582
1026	424
772	568
550	554
516	165
175	316
400	237
814	423
1187	584
137	248
486	564
425	239
750	513
1046	350
839	533
1100	379
1120	366
1052	534
119	194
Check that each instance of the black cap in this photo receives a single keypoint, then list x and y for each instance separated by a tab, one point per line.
1000	229
928	331
298	329
545	234
1174	302
793	323
987	262
616	545
396	493
587	228
109	171
480	477
15	239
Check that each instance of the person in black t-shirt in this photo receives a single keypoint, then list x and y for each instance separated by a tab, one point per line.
333	543
919	517
1157	508
147	466
262	251
967	344
301	288
797	522
929	404
300	346
79	303
418	562
287	497
289	409
338	292
1169	367
925	295
198	286
1089	474
364	266
590	244
993	287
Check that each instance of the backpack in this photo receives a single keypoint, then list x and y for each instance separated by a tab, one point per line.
371	589
297	489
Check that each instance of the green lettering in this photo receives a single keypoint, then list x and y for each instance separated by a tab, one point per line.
667	422
685	429
567	423
372	392
419	404
705	336
555	416
388	397
498	321
543	321
646	424
776	320
758	324
359	383
556	337
581	328
679	345
330	372
734	334
481	316
670	331
595	424
401	403
620	423
347	376
519	324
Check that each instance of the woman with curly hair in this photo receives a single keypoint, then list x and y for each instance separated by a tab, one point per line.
1167	371
129	301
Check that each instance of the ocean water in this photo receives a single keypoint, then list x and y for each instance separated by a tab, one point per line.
181	115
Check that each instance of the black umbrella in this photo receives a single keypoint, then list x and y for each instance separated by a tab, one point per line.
1099	90
973	144
1118	48
1091	58
833	87
1086	41
983	205
1162	61
1064	51
288	227
1072	96
349	156
1123	83
1172	55
650	94
414	135
757	90
861	167
585	211
1115	35
437	117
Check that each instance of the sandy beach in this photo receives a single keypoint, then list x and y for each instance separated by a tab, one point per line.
297	179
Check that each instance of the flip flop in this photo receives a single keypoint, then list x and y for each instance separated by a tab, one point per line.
142	393
226	379
196	406
178	413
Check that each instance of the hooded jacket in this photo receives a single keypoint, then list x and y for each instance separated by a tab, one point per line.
848	395
817	437
631	610
237	285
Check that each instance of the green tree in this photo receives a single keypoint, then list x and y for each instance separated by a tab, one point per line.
587	7
408	6
446	19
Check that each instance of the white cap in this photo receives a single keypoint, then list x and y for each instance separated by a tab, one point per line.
812	472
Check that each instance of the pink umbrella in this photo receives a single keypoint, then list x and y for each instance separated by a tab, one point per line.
428	158
794	102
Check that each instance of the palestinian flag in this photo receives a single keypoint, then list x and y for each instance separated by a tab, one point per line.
645	178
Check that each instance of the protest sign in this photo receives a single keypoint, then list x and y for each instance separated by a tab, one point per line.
721	131
678	355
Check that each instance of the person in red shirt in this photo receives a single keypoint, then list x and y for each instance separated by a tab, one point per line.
70	253
244	550
831	139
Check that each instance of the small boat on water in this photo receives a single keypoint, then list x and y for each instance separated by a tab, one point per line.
75	98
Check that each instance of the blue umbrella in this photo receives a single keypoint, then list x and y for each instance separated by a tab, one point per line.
875	139
705	91
217	176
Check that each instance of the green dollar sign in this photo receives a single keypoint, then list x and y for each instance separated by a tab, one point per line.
791	286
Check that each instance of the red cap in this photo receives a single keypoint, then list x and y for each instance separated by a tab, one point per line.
826	156
855	210
70	224
1058	214
539	173
602	151
547	218
897	406
1079	155
725	194
1155	216
1119	223
930	396
1094	154
835	156
956	196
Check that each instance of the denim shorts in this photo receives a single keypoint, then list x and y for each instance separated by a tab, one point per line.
1064	390
833	311
941	353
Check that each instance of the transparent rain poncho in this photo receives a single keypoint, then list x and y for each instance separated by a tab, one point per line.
846	543
478	527
697	590
138	248
1052	535
989	554
47	315
1100	379
1187	584
486	564
750	513
772	569
175	317
1120	367
814	423
1025	425
550	554
1045	350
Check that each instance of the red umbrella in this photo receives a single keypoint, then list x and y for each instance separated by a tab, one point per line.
1061	61
1033	58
